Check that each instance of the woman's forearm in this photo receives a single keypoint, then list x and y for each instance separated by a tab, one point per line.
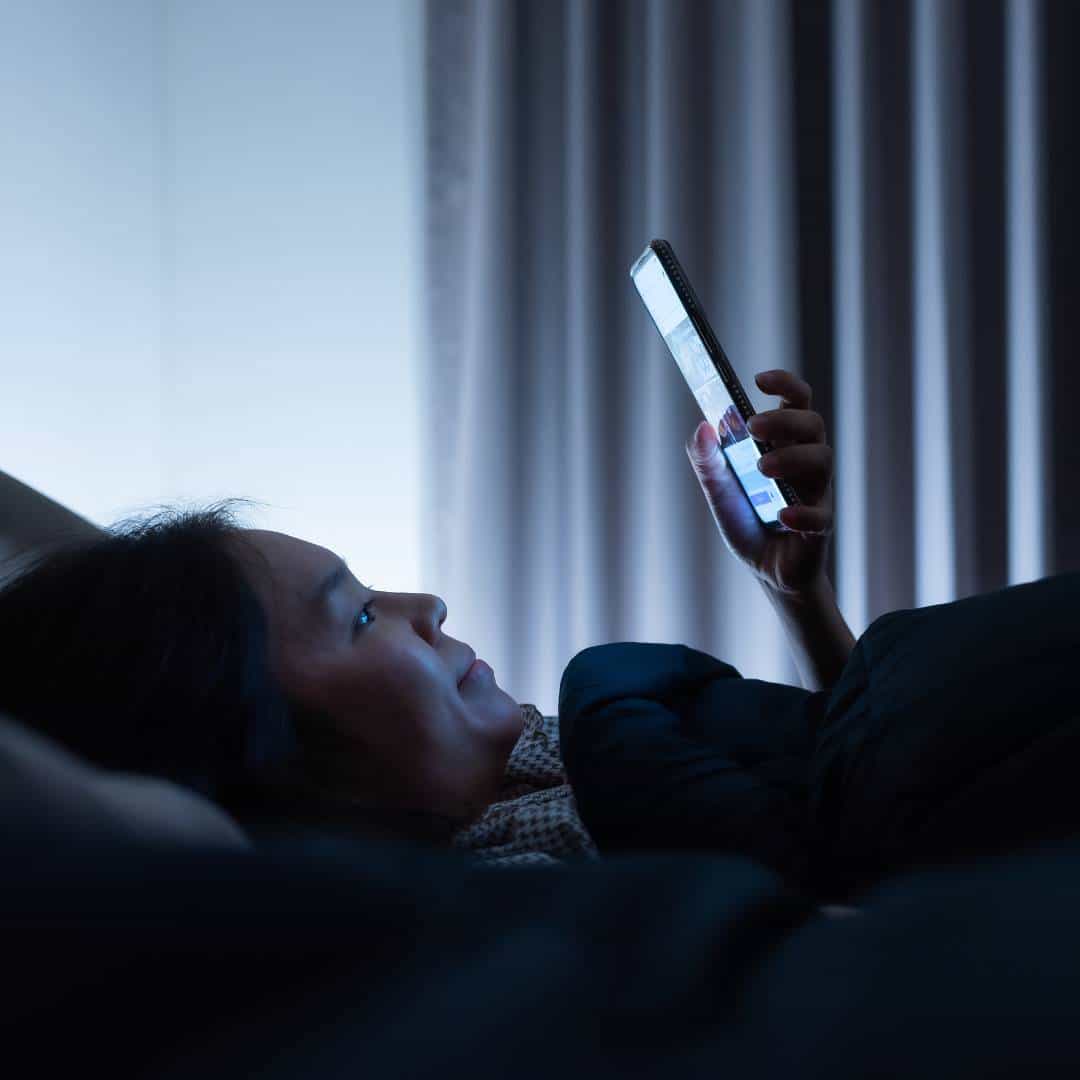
820	639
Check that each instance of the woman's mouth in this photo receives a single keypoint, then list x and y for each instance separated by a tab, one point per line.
478	669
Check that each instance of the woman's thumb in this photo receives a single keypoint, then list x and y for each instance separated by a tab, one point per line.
703	446
711	468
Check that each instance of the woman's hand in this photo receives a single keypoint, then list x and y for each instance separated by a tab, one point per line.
788	561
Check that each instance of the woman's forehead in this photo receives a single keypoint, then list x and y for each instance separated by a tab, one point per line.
296	566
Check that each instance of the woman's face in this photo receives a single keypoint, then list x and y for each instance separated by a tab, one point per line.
403	729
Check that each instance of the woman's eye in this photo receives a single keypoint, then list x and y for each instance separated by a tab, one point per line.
363	618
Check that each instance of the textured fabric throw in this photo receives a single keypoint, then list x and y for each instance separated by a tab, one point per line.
535	820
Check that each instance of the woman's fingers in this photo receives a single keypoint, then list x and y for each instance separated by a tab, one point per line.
807	519
794	391
784	426
794	462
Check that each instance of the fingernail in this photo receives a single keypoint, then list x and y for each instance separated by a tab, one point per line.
752	425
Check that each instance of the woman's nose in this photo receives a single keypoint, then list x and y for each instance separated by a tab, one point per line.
433	615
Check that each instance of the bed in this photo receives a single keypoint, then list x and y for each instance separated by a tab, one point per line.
316	954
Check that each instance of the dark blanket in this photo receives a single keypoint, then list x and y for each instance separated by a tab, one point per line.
951	732
325	958
668	748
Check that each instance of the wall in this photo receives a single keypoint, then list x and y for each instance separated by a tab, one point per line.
210	264
292	240
80	251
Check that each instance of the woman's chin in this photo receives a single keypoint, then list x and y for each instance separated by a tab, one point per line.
497	717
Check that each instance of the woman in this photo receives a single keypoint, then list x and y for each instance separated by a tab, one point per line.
256	668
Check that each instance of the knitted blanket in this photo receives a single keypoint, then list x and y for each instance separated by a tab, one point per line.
535	819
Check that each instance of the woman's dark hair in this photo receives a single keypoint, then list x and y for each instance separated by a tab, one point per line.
146	650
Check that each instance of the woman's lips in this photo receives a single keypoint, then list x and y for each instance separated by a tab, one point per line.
478	667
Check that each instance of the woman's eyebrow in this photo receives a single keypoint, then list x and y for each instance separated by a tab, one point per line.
329	583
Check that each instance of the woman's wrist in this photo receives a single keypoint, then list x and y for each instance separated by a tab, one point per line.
820	639
816	592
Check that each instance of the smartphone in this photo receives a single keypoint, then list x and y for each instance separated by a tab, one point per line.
679	317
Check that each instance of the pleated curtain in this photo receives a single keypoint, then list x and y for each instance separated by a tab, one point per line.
879	196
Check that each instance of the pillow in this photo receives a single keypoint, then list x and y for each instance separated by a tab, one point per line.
49	795
31	522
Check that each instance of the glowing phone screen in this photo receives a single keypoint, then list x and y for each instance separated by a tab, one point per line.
705	384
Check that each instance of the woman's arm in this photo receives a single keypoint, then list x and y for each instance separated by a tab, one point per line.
789	563
821	641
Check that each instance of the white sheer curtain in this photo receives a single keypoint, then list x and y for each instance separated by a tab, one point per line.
859	193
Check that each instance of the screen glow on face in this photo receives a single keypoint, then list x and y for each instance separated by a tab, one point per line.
705	384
